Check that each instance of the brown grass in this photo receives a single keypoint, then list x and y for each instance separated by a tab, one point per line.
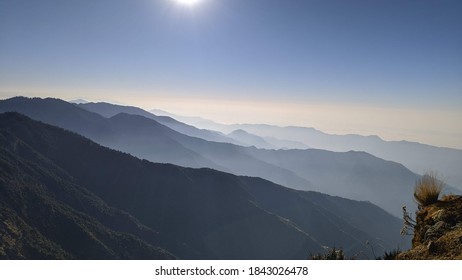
428	189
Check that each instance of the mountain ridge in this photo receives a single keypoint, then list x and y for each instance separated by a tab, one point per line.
109	110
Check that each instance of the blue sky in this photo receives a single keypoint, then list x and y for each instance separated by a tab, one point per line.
402	55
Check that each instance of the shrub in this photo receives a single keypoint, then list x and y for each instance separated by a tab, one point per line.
428	189
409	222
331	254
390	255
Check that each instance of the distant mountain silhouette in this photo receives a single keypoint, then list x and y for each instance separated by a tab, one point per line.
418	157
109	110
277	143
194	121
285	144
64	196
250	140
78	101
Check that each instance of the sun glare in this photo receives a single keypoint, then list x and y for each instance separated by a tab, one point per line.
188	2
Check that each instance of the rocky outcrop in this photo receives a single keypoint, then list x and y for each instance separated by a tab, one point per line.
438	231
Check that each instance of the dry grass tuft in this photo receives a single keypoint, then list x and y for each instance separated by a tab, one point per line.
428	189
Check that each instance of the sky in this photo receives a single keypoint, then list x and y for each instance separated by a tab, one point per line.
392	68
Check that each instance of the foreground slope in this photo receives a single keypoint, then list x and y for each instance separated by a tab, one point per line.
192	213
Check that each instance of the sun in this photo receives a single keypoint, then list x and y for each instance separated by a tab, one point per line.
188	2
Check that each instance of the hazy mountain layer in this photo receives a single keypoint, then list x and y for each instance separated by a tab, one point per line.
419	158
109	110
355	175
278	143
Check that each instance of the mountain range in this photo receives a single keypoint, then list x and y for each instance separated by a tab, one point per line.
64	196
418	157
355	175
